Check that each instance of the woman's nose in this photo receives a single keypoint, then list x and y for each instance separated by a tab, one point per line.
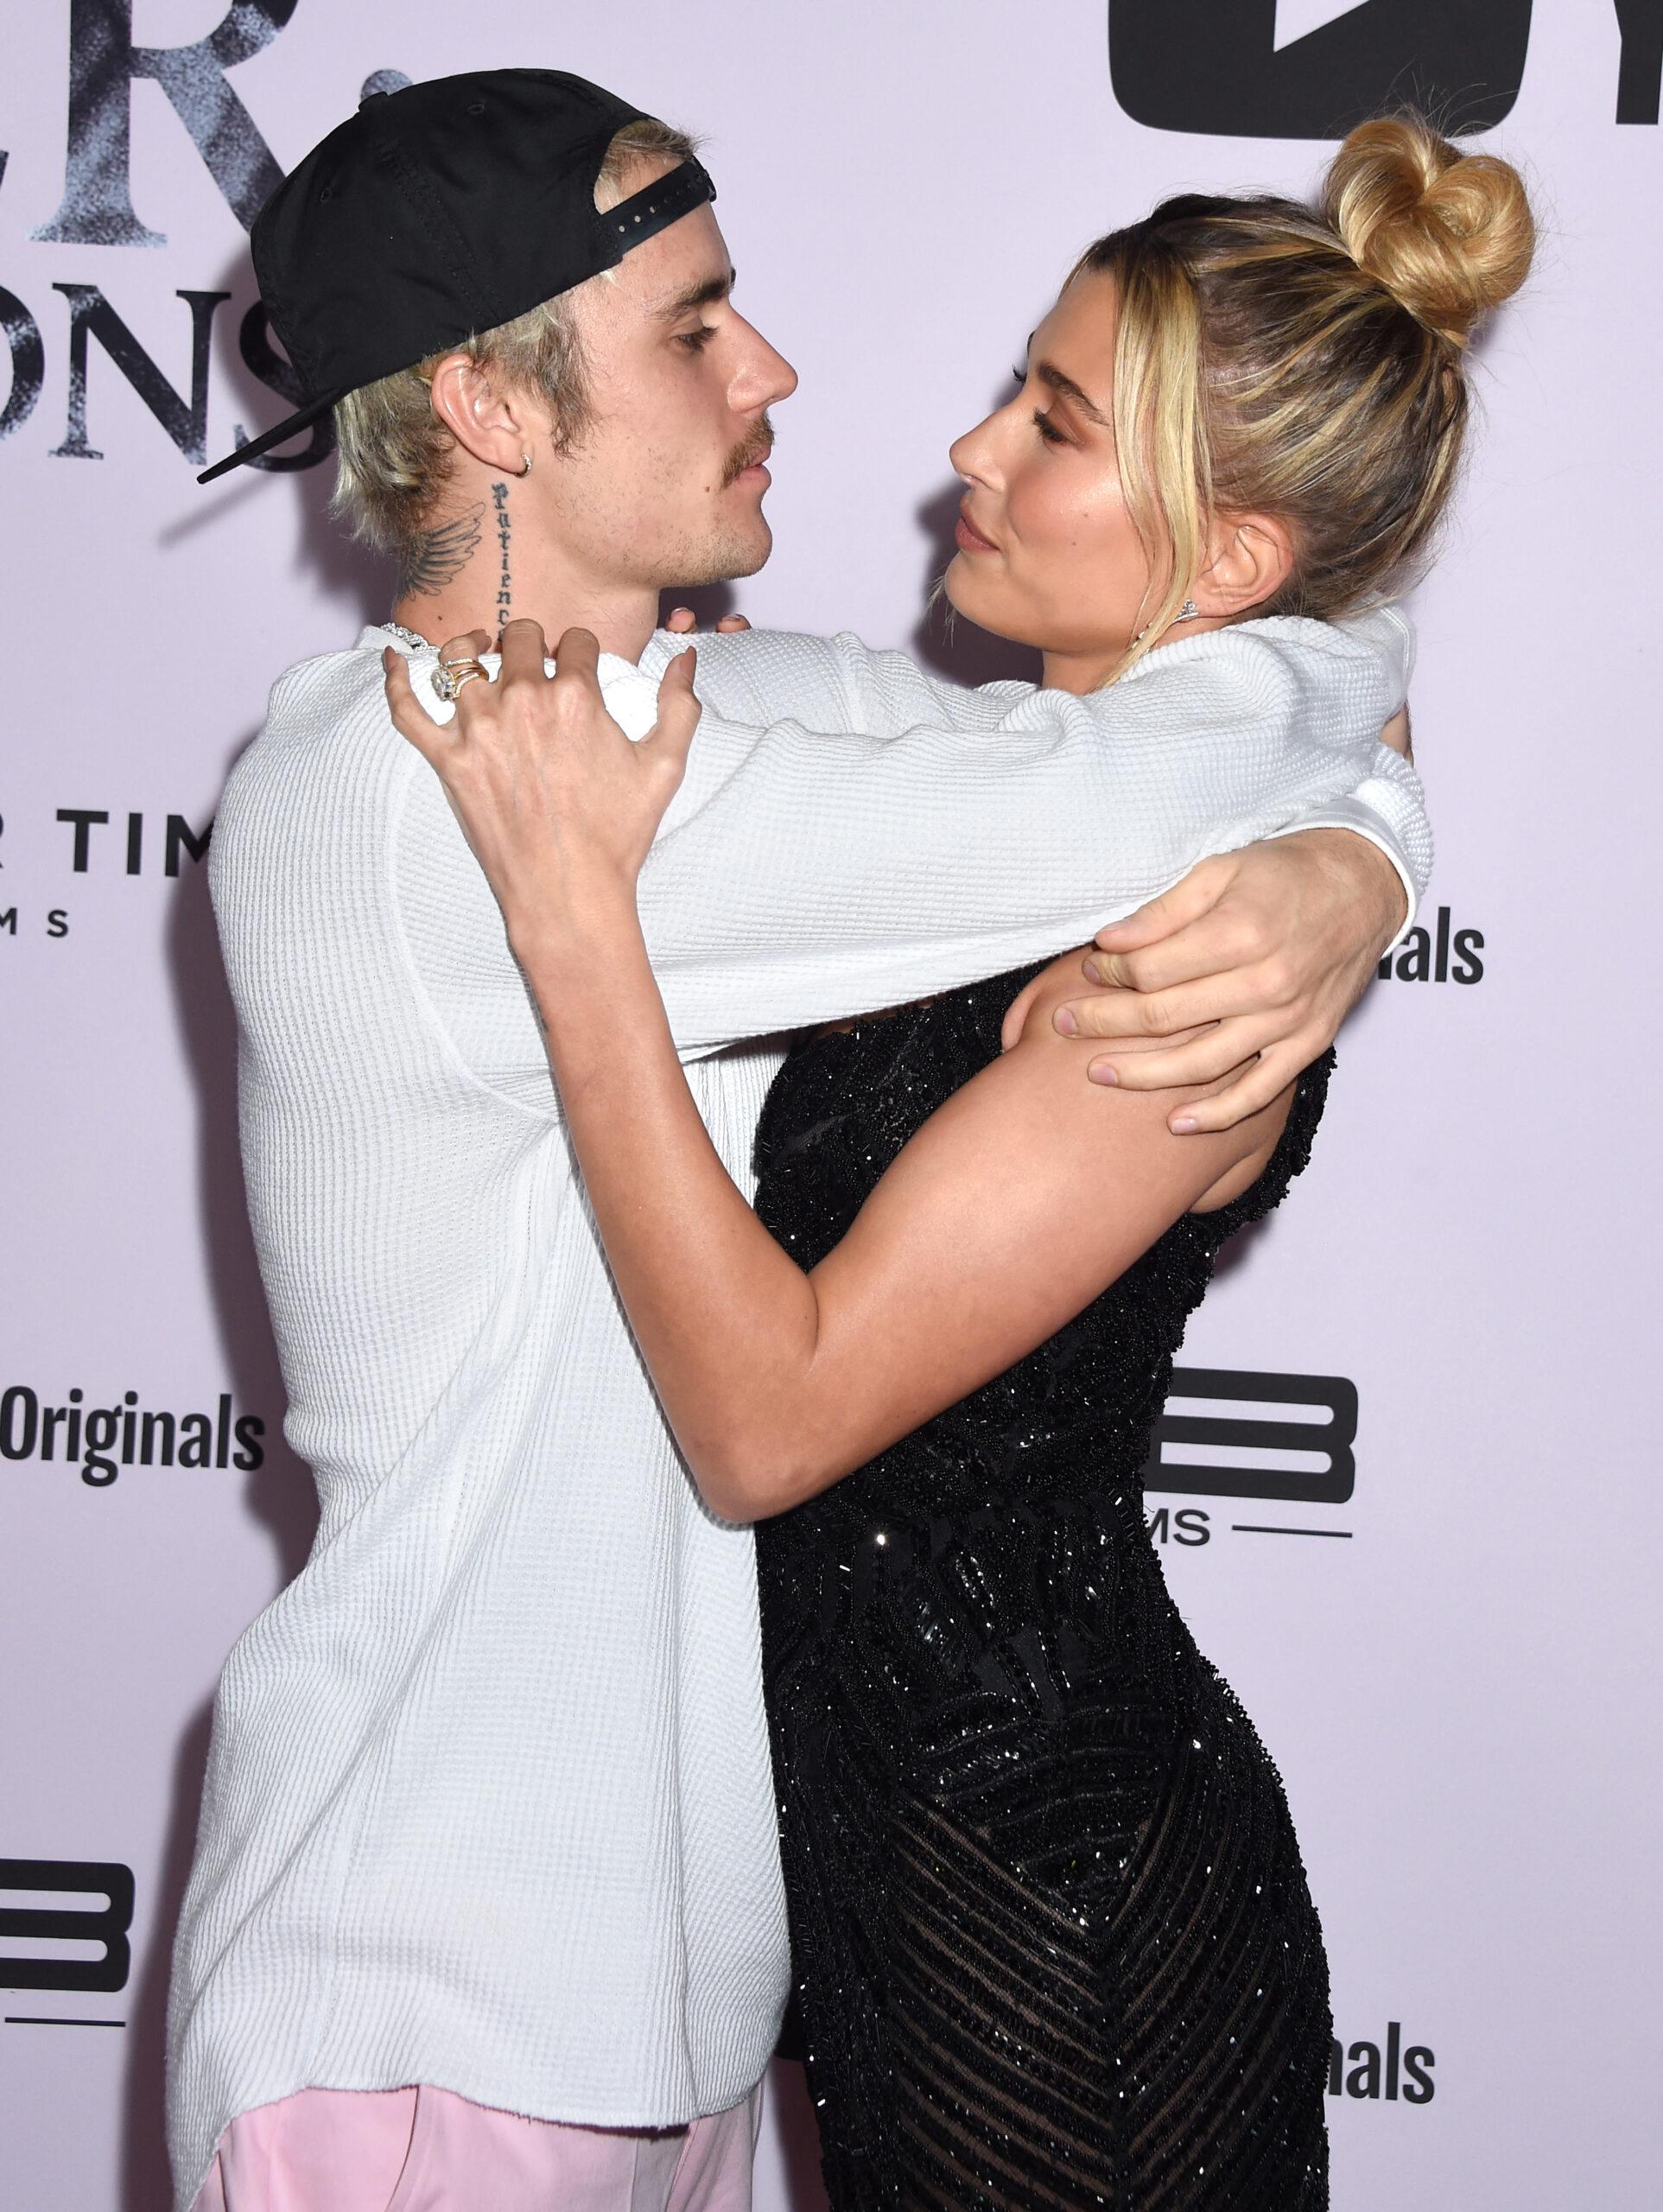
971	456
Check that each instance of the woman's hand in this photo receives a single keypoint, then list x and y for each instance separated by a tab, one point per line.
683	622
559	805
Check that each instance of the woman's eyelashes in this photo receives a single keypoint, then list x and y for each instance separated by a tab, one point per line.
1042	421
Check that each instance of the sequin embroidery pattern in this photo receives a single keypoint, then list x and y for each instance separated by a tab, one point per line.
1052	1942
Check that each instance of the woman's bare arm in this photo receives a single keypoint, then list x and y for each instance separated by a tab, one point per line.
974	1248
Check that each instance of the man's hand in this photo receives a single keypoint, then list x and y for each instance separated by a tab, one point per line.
1269	948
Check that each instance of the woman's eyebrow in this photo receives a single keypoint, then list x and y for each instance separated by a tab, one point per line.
1050	376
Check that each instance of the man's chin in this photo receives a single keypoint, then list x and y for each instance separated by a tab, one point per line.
754	558
732	555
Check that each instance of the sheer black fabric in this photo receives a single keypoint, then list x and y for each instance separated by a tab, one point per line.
1053	1945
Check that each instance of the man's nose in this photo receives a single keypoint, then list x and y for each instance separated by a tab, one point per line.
764	377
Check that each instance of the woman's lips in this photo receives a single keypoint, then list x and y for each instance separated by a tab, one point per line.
970	539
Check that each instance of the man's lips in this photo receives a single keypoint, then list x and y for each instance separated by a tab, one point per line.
970	538
757	466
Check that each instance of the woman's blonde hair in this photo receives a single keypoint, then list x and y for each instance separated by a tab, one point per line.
393	453
1307	362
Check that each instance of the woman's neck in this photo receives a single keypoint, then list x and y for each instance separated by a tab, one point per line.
1088	671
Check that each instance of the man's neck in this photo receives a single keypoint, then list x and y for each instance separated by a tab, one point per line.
480	565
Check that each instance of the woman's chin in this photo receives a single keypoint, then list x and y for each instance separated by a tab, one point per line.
967	596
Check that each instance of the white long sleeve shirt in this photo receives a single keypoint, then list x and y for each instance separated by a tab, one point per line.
489	1804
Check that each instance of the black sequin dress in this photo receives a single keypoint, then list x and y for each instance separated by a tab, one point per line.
1053	1945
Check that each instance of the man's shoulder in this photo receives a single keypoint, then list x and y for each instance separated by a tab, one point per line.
320	710
340	878
314	806
327	734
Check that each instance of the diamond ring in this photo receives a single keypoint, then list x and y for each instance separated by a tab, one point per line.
450	676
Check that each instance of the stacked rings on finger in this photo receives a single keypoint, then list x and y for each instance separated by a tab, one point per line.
450	676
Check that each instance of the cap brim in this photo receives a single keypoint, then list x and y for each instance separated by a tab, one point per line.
296	422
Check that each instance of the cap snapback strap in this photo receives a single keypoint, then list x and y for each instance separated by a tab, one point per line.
654	208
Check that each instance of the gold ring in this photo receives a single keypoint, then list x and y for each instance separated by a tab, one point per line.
450	676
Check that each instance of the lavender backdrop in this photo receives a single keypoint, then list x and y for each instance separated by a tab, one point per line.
1454	1664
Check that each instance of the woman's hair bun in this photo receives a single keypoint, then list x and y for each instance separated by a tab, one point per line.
1450	234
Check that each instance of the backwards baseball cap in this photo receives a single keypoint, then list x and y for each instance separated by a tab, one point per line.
437	212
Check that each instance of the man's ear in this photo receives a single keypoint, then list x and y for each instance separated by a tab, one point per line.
485	418
1249	558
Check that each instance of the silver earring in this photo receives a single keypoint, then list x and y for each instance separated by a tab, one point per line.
1188	612
526	458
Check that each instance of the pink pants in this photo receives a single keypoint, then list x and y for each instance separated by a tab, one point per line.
426	2150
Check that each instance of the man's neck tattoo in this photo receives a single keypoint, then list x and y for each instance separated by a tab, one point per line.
436	557
504	583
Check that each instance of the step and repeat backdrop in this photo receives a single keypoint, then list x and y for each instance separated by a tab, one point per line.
1406	1491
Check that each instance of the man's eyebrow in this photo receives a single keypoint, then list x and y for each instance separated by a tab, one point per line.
708	294
1050	376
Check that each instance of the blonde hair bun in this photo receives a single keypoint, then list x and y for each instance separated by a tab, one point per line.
1449	234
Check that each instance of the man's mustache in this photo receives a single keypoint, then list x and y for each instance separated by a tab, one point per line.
757	446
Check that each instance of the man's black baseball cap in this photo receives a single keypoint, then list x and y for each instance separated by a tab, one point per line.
439	211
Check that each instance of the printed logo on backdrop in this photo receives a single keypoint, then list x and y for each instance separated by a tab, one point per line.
101	1442
1312	68
98	840
97	209
63	1929
1388	2068
1442	954
1287	1440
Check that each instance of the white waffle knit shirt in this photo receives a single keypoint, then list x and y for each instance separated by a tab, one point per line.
489	1804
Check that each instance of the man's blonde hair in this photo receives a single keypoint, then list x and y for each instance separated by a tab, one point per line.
393	453
1308	363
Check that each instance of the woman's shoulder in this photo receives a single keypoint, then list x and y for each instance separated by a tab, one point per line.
1286	675
1378	642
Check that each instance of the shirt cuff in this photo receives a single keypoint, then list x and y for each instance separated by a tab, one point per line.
1379	811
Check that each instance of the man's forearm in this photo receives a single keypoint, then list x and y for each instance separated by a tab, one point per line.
1369	878
1387	816
816	875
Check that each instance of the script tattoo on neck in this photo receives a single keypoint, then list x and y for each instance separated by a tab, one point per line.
436	557
504	583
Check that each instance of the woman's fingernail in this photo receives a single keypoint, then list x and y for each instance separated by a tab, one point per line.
1100	1071
1065	1021
1094	971
1184	1128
